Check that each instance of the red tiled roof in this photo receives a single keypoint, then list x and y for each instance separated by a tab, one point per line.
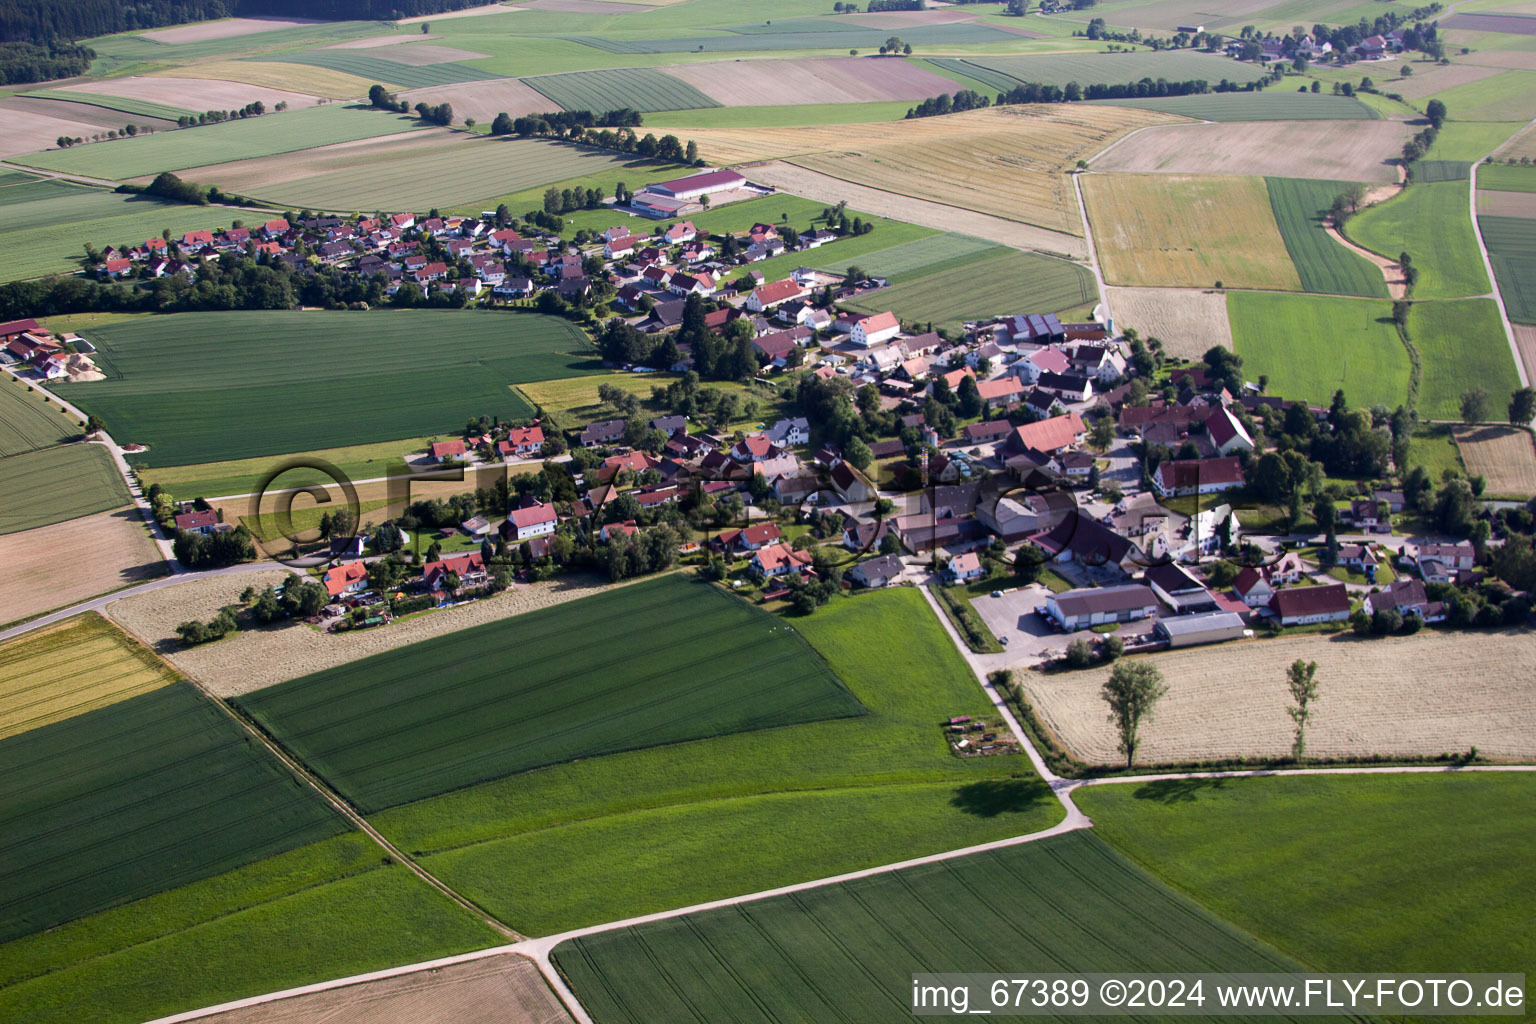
442	449
1296	601
534	515
1049	435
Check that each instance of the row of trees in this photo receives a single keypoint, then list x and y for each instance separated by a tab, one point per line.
254	109
1072	92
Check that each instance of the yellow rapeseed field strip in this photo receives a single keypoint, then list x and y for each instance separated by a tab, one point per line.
272	75
79	665
1009	162
1187	231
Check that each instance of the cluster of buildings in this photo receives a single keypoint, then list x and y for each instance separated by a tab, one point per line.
27	345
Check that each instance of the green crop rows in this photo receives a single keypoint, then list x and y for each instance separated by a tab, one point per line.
1426	171
1312	345
1113	69
58	484
27	423
1511	243
1507	177
47	234
931	255
1301	207
204	387
216	143
150	793
643	89
378	69
1256	106
145	108
1432	223
618	671
1007	284
845	952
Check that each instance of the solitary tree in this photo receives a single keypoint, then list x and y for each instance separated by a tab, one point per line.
1435	111
1474	405
1302	676
1132	691
1522	406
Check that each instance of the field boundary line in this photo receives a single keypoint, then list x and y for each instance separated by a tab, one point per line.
1402	769
1482	249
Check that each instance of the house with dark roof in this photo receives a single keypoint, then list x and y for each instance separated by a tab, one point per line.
1078	538
1301	606
877	572
1073	610
1406	596
601	432
1179	477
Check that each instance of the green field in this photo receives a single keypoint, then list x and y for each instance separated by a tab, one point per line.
37	190
847	952
797	34
325	910
265	388
448	712
911	260
28	421
363	64
1425	171
1008	284
1412	872
675	825
1310	346
216	143
47	234
1108	68
147	108
1434	448
1471	140
1324	266
1509	96
1432	222
55	485
136	798
242	476
643	89
1511	243
130	53
1507	177
1463	346
1256	106
460	171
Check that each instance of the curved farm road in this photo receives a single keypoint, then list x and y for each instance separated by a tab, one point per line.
1397	287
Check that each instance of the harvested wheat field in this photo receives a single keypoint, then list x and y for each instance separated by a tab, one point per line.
421	54
59	565
195	93
72	667
1503	456
1187	231
226	29
826	189
1507	204
252	659
484	100
1332	150
27	131
1522	145
1189	321
1423	694
1008	162
504	989
81	113
273	75
260	173
1428	79
370	42
830	80
467	12
1525	346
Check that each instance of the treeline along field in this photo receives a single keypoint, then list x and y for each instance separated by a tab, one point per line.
204	387
144	795
847	951
623	670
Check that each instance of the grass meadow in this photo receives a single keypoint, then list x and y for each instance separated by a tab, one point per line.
1431	221
127	105
48	233
1300	206
1463	346
1434	447
1005	284
642	89
243	139
1508	96
365	64
135	798
241	476
54	485
255	383
605	838
1255	106
451	712
78	665
1382	888
1310	346
328	909
845	951
917	259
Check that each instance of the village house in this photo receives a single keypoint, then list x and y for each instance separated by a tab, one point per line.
1179	477
1405	596
789	432
870	331
601	432
204	522
1176	588
752	538
349	578
469	567
1252	588
522	442
963	568
1439	563
441	451
770	295
537	520
1226	432
1302	606
779	559
877	572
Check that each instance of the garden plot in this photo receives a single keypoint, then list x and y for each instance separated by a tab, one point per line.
826	80
1378	696
1187	230
1342	150
505	989
194	93
225	29
1503	456
56	566
67	669
484	100
450	712
1189	321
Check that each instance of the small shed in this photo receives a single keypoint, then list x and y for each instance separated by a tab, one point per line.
1204	628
